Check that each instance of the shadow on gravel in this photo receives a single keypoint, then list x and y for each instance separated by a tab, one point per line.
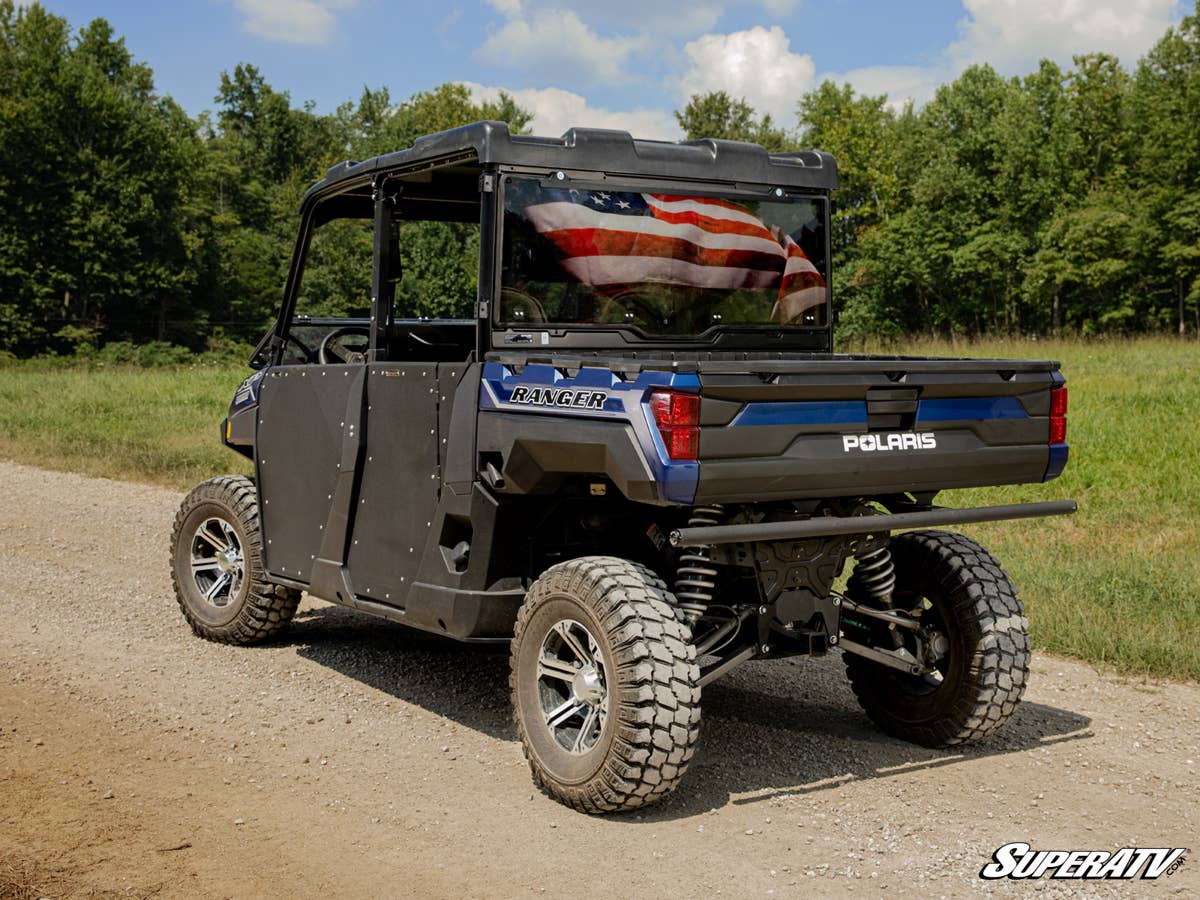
771	729
464	682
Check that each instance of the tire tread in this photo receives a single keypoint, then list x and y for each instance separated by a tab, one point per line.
979	592
658	703
268	607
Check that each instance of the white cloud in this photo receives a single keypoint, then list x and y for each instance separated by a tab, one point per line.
615	41
510	8
756	64
1012	35
555	110
612	42
558	40
291	21
900	83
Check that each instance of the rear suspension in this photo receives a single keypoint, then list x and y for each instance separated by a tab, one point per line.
695	576
874	576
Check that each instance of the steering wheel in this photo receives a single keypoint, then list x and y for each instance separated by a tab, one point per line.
333	350
516	306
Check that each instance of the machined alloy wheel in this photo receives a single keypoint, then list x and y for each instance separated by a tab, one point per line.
217	565
604	685
572	686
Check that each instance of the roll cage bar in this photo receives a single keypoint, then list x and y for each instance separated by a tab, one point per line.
477	155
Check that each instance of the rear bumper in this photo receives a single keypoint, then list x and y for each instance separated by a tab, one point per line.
826	526
819	467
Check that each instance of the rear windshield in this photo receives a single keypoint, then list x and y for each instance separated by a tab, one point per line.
659	263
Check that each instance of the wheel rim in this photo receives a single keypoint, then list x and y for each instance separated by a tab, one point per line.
218	564
927	610
572	686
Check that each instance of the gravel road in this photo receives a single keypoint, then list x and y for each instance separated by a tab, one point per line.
356	758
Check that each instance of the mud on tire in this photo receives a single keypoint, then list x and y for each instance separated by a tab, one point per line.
619	615
217	565
985	671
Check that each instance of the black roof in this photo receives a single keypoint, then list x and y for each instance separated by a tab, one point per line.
602	150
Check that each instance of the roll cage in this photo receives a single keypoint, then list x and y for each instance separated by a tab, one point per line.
460	175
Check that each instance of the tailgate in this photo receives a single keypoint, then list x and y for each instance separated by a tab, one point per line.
859	426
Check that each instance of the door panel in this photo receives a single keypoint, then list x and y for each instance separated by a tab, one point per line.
308	421
400	480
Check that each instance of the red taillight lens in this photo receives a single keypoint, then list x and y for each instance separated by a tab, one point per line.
1058	401
1058	415
671	409
682	443
677	416
1058	431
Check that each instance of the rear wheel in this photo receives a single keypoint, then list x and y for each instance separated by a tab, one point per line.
958	591
604	685
217	565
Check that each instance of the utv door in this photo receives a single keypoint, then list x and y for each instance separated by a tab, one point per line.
427	228
309	431
398	491
307	448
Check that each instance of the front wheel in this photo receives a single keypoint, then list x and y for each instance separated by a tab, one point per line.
958	591
604	685
217	565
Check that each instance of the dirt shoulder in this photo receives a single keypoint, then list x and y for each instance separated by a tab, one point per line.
360	759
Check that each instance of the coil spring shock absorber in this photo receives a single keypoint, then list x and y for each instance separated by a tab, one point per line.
874	576
695	577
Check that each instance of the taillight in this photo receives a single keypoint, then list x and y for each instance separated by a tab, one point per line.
1058	414
677	416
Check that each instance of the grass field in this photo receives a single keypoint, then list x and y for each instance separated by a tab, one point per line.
160	425
1118	584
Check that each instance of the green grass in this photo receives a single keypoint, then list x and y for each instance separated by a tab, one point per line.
158	425
1118	584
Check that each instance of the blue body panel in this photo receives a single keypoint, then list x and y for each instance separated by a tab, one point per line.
626	402
803	412
959	409
247	393
1058	461
854	412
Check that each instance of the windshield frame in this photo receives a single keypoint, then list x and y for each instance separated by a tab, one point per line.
765	336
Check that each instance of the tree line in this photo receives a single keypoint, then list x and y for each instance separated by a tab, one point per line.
1062	201
124	219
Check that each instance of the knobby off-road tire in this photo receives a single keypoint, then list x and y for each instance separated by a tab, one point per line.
217	538
983	674
631	748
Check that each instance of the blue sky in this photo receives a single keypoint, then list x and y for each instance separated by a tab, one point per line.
613	63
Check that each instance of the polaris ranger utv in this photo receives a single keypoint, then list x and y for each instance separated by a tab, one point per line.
635	457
